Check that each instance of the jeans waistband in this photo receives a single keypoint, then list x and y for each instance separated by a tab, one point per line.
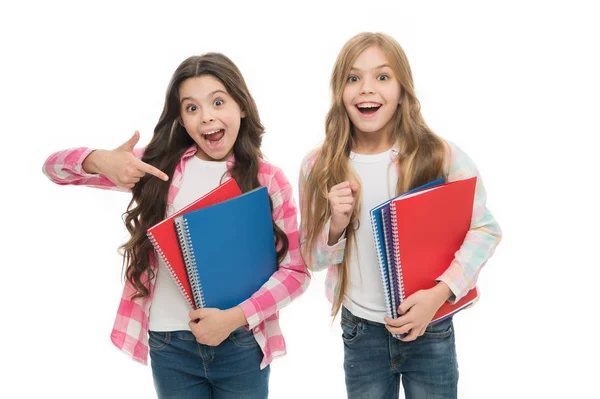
346	314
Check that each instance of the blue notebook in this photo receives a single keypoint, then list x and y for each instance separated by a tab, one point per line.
386	222
386	269
228	249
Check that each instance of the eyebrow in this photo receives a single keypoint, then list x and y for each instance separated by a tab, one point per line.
377	67
189	98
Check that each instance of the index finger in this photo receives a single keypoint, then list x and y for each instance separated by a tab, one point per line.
195	315
146	168
342	185
398	322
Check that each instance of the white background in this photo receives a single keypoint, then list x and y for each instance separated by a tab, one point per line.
515	85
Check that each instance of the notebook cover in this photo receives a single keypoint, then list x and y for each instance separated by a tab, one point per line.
379	243
164	236
382	262
232	248
429	227
386	220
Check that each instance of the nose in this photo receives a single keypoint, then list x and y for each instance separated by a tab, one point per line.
208	117
366	86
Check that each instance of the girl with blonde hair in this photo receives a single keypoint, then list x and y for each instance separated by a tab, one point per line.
377	145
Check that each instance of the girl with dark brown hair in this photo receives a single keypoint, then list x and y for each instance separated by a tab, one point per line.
209	131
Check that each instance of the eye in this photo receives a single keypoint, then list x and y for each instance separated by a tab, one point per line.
383	77
191	108
352	79
218	102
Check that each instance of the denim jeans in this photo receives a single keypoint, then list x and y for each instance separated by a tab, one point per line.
375	362
183	368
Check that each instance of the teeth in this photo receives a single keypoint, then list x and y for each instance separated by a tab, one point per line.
368	105
213	132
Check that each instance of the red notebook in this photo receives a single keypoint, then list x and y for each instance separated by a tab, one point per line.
428	228
163	235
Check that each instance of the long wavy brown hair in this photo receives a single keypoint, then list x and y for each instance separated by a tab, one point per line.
169	142
421	153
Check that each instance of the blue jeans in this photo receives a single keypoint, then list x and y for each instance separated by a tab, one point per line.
183	368
375	361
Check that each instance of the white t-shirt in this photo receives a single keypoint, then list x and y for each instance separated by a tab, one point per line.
378	178
169	310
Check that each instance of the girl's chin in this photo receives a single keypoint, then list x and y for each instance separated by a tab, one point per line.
369	129
209	154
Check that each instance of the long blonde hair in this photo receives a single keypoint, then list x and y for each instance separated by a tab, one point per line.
421	154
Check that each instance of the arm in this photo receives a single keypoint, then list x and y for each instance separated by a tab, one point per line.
118	169
322	254
72	167
482	238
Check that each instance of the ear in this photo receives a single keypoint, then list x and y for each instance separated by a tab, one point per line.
242	114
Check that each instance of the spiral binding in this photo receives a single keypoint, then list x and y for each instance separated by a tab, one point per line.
397	251
172	272
380	262
388	253
183	233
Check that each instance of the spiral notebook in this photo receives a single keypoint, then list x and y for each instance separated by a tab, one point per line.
428	227
386	222
163	235
386	269
228	249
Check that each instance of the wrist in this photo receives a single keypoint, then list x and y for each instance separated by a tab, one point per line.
90	163
335	234
442	292
237	318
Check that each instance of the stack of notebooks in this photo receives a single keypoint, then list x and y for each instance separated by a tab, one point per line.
416	235
220	249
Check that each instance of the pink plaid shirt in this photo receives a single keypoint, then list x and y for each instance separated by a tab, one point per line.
130	332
